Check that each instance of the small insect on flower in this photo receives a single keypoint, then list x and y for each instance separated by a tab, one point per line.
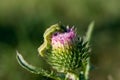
47	38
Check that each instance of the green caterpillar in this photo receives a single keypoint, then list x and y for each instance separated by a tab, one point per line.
47	38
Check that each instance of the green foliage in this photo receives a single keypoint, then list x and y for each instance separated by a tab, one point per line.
36	70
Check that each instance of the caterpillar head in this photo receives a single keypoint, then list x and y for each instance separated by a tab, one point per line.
52	29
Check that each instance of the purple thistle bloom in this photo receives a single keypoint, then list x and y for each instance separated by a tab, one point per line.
63	40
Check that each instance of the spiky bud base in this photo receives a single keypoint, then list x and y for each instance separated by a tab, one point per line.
71	59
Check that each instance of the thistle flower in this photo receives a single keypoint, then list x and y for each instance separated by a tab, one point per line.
66	52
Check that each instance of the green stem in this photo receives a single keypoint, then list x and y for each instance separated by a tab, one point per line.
87	69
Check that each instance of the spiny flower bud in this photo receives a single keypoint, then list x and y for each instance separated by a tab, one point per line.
68	51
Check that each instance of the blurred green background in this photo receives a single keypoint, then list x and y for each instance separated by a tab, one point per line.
23	22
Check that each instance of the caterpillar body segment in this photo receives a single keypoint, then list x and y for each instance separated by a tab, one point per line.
47	38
